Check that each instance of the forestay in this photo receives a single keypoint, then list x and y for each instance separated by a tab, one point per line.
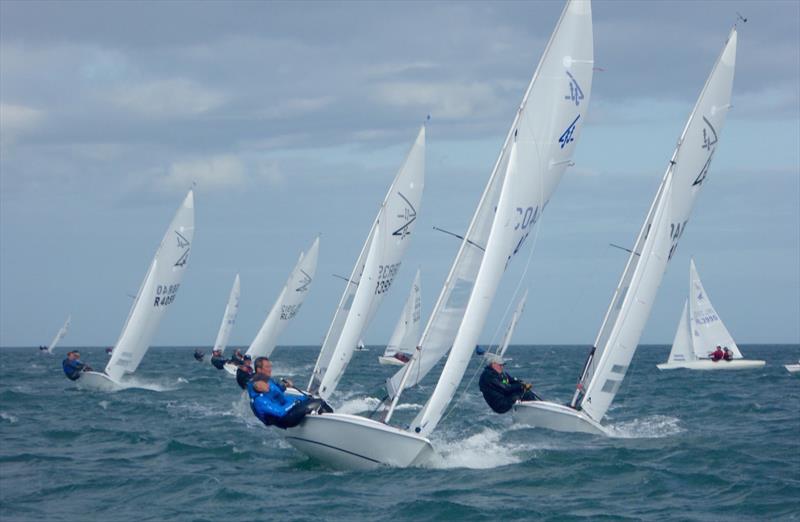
708	331
513	324
60	335
658	238
157	292
406	332
229	318
538	149
288	304
397	220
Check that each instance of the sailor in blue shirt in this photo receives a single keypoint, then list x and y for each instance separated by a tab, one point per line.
73	366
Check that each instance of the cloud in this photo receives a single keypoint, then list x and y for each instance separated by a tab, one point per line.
215	172
16	120
445	100
167	98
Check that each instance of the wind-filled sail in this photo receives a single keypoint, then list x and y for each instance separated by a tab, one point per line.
287	305
229	318
60	335
158	291
406	333
708	331
512	325
682	343
665	223
536	153
396	219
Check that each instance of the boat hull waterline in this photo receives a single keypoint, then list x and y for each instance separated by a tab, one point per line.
352	442
736	364
98	381
556	417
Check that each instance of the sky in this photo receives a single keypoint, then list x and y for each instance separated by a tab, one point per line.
293	119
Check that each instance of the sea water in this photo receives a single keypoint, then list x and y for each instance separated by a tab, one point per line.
687	446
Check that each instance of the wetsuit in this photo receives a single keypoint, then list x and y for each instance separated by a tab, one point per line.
500	390
72	369
274	408
198	355
243	374
218	361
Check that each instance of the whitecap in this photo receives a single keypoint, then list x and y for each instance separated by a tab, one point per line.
7	416
483	450
653	427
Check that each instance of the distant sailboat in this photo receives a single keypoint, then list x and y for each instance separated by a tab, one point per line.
60	335
630	306
535	154
229	317
700	330
286	307
406	333
158	291
793	368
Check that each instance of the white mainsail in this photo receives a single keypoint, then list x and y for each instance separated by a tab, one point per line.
287	305
512	325
665	223
396	219
537	150
229	317
60	335
158	291
406	332
708	331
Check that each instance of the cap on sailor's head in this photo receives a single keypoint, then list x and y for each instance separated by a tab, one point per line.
493	358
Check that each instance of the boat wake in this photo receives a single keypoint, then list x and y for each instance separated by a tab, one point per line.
156	386
653	427
483	450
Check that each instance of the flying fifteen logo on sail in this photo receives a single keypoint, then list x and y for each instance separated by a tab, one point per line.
568	136
709	143
575	91
409	214
304	283
182	243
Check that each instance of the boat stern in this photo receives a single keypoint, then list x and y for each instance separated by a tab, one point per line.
556	417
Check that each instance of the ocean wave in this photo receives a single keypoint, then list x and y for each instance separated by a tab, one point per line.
482	450
653	427
8	417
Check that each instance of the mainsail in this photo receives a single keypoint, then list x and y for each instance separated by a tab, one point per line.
229	318
537	150
708	331
396	220
406	332
287	305
658	238
60	335
158	291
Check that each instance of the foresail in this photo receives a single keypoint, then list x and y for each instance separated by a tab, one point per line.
229	317
512	325
542	144
288	304
60	334
406	332
158	291
682	343
397	217
708	331
667	219
570	82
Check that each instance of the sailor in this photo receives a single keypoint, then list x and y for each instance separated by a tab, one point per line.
42	348
728	355
73	366
500	390
717	354
198	355
217	359
244	372
272	406
237	358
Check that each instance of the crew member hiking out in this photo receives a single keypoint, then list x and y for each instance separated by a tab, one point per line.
244	372
500	390
73	366
217	359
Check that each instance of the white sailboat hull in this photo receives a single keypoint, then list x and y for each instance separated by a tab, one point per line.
98	381
556	417
736	364
792	368
390	361
353	442
230	368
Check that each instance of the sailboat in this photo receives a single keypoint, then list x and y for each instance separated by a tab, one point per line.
619	334
60	335
229	317
401	345
792	368
699	330
286	307
156	294
537	150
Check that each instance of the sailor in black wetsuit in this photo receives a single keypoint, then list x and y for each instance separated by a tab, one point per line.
198	355
237	358
217	359
500	390
244	372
